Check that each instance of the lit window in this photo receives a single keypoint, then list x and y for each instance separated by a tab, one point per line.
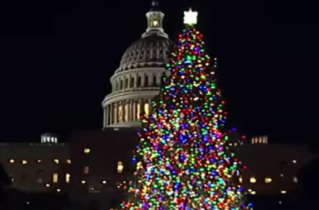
58	190
103	182
86	170
120	167
147	109
126	113
119	117
283	192
55	178
39	161
87	151
68	161
268	180
282	175
240	180
83	181
24	162
47	185
253	180
155	23
11	161
138	113
253	192
295	179
56	161
294	161
67	178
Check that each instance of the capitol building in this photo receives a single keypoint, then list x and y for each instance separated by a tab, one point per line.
136	81
94	164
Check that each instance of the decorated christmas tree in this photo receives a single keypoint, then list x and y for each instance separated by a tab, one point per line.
182	160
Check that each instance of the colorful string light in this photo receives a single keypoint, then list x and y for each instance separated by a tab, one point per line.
183	161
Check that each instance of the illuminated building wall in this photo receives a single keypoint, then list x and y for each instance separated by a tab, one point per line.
36	166
259	140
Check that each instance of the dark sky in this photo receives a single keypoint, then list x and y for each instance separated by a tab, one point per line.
57	58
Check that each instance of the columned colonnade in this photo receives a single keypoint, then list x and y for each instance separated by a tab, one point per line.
126	111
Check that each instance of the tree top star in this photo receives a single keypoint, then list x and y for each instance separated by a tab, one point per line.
190	17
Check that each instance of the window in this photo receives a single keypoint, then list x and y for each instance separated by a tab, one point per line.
138	111
132	82
47	185
24	162
139	81
67	178
146	81
283	192
268	180
126	83
39	161
87	150
119	117
86	170
55	178
294	161
68	161
126	113
253	180
154	81
120	167
11	161
83	182
56	161
240	180
121	84
147	109
295	180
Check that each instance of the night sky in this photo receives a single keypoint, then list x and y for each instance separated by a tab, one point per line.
57	58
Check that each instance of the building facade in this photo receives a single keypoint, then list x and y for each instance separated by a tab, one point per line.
37	167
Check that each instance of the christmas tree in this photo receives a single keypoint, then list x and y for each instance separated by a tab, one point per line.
182	160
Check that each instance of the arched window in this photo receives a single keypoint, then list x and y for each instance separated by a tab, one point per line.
154	81
146	81
121	84
132	82
139	81
126	83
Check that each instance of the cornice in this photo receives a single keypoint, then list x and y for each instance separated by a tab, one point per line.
156	70
127	95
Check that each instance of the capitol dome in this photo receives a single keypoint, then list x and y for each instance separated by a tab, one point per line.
136	82
152	50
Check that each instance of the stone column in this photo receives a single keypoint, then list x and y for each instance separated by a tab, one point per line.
134	111
149	106
123	111
107	116
143	80
111	114
131	110
115	113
